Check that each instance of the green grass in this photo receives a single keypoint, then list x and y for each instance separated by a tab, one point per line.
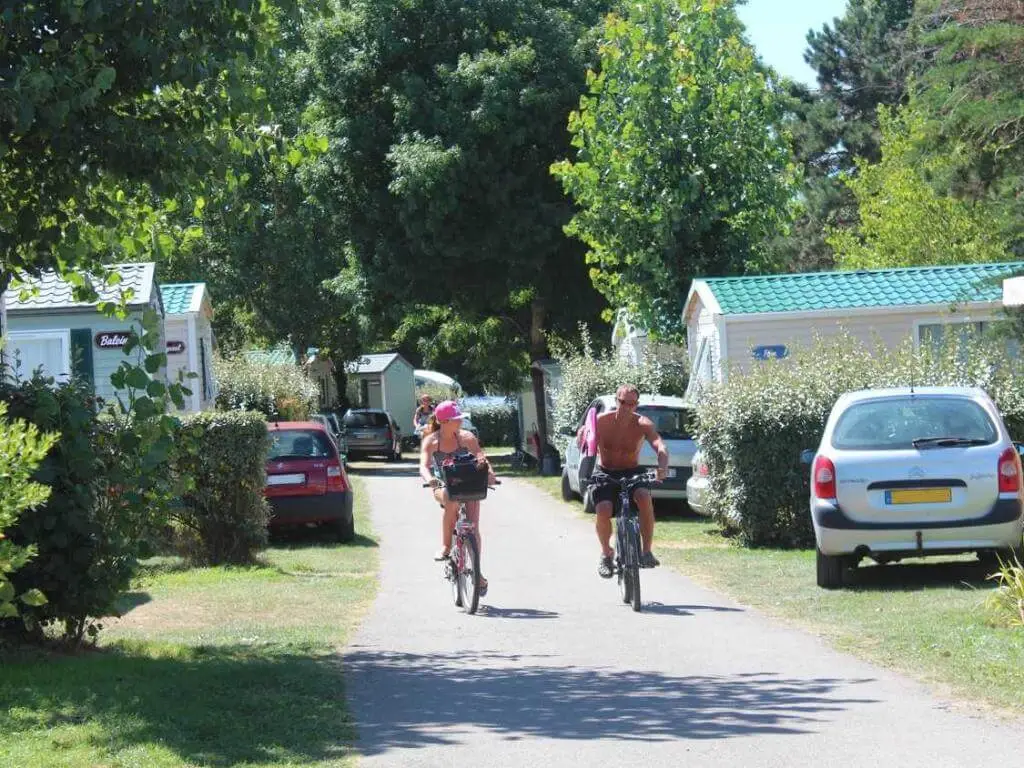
925	618
210	667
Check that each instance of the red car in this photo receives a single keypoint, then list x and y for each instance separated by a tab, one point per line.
306	481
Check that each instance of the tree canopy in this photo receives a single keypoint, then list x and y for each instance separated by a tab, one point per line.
100	98
681	167
443	117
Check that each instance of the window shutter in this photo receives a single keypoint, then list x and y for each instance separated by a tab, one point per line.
81	354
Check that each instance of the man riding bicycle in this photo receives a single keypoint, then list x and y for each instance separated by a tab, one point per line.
620	435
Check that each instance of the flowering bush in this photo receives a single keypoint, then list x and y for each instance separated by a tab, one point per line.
279	392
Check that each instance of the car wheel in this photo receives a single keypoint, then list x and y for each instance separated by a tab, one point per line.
831	570
588	502
567	494
344	529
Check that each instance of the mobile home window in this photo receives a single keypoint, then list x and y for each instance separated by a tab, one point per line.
48	351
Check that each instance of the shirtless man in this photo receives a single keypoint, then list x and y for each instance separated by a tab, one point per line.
620	435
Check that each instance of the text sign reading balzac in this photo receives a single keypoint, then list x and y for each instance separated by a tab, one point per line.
175	347
111	339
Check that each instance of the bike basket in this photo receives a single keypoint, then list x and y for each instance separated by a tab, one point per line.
465	480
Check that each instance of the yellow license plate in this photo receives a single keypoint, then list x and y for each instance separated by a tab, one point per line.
920	496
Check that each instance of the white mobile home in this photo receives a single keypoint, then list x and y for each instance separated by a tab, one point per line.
188	327
733	321
49	330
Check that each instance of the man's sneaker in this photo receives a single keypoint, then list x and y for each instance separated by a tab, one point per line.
605	569
648	560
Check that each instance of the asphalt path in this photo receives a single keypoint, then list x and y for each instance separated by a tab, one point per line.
554	670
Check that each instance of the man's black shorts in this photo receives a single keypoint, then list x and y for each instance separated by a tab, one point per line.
610	492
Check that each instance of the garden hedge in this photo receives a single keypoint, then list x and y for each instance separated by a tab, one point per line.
753	428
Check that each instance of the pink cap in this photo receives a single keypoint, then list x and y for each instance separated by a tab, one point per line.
447	411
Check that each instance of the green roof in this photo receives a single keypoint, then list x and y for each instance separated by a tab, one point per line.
178	297
282	354
862	288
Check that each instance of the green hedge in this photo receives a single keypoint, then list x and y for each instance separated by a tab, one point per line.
496	424
223	516
282	392
753	429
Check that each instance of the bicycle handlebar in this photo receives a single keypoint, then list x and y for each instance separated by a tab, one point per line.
489	487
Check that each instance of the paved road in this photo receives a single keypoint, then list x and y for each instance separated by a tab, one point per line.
554	671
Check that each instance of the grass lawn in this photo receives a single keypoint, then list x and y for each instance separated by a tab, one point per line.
921	617
210	667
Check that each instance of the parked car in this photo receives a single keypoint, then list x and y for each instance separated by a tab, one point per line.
912	472
306	481
372	431
671	417
333	427
697	484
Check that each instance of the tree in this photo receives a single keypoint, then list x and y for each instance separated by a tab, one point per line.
443	118
100	99
971	87
903	220
861	64
681	166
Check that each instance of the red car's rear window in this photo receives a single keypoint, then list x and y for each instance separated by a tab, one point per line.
299	444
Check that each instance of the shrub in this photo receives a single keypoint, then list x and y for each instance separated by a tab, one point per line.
279	392
586	374
223	516
497	424
1006	601
22	450
110	482
753	429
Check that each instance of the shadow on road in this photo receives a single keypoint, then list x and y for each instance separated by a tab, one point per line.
521	697
494	612
686	610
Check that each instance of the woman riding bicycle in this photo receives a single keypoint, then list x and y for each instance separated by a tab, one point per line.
421	417
445	440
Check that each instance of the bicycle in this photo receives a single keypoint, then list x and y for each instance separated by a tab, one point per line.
627	533
462	566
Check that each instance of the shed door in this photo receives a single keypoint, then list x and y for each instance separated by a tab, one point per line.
374	398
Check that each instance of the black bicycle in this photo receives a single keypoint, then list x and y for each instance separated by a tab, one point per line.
462	566
627	532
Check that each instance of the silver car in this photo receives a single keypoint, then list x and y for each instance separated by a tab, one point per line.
372	431
913	472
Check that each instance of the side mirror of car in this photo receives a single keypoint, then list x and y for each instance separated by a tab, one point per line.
567	432
807	457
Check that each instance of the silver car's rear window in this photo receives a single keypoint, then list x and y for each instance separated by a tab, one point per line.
895	423
366	419
671	423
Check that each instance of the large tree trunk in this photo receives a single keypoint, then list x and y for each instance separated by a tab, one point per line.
538	351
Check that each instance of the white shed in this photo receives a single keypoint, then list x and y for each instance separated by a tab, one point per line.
188	328
385	381
733	321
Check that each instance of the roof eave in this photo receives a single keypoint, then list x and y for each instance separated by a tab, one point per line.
750	317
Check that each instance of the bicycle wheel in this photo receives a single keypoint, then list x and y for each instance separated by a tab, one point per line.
625	585
453	569
469	575
633	575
